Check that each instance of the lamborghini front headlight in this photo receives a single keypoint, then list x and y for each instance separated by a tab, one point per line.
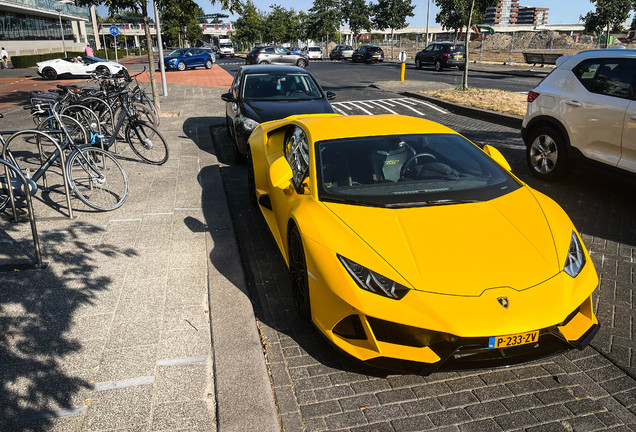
371	281
576	257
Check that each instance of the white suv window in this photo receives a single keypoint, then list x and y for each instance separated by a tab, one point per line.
610	77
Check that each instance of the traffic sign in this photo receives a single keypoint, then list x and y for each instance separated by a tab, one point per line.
113	30
402	57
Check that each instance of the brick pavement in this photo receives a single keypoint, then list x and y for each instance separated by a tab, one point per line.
115	333
318	389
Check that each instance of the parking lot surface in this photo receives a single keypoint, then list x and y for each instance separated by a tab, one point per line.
115	333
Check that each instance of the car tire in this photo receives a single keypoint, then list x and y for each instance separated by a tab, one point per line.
546	154
302	63
49	73
438	66
208	64
251	182
239	158
264	62
298	274
181	66
461	68
227	127
102	70
418	64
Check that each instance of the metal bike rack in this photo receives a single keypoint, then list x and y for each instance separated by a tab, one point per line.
62	163
8	167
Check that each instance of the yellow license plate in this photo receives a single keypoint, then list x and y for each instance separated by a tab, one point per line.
459	56
513	340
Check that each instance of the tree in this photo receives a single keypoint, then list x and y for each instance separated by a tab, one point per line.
455	14
323	19
356	13
179	18
249	26
392	14
608	15
141	7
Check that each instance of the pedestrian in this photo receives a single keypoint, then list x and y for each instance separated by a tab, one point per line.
89	51
4	55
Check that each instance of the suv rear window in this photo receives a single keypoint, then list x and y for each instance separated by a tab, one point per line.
374	48
255	50
453	48
314	49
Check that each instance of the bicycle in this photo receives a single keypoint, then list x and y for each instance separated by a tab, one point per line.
92	174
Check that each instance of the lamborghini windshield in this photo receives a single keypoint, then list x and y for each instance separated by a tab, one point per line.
408	171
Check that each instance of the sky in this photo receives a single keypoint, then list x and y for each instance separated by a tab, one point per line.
561	11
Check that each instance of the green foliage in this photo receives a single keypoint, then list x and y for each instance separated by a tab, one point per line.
453	14
357	14
249	25
178	15
608	15
323	19
392	14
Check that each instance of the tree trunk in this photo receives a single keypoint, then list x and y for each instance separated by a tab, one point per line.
470	22
151	57
392	45
607	36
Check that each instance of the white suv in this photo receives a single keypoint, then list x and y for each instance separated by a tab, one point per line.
586	108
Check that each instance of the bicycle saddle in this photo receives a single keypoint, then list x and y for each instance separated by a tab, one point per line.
72	89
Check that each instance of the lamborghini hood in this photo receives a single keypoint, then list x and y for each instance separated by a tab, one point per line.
460	249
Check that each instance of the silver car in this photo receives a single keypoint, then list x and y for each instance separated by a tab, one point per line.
585	108
272	54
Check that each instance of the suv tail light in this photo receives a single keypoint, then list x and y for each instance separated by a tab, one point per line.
532	96
257	54
446	55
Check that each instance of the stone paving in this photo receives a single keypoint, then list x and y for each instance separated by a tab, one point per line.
115	333
318	389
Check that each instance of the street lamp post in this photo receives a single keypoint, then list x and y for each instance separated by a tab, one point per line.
59	14
428	14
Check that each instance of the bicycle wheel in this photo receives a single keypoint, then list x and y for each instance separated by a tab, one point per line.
141	97
89	119
104	113
144	114
52	127
97	178
147	142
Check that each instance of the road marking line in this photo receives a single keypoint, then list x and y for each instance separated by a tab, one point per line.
386	101
340	111
343	105
388	109
431	106
45	415
361	109
408	101
124	383
185	360
406	106
366	104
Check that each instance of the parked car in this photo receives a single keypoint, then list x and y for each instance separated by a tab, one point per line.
272	54
295	50
188	58
584	109
341	52
313	53
368	54
76	66
211	51
369	213
263	93
442	55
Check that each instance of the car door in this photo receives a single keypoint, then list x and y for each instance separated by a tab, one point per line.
268	54
593	104
359	54
285	56
628	141
427	55
199	55
283	201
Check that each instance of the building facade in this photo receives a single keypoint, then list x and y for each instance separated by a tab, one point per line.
509	13
33	27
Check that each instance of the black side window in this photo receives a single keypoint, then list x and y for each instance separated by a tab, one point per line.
616	78
269	50
586	71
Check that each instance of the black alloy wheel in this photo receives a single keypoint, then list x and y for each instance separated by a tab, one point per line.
49	73
418	64
438	66
251	182
298	275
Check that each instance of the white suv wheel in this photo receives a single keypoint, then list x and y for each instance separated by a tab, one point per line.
546	155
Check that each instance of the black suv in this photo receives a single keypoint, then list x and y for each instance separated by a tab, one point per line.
442	55
275	55
368	54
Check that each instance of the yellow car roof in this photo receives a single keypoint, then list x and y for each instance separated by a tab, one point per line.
335	127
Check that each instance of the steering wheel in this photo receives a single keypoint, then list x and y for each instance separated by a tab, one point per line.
410	160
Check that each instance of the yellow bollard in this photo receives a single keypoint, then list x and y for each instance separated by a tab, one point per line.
402	69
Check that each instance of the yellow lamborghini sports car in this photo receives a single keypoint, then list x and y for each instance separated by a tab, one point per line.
412	249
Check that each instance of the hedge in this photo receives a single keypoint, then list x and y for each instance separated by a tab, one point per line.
27	61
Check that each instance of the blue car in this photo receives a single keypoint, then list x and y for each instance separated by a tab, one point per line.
184	58
295	50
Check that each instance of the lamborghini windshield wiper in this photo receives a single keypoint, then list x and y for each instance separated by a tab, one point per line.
354	202
431	203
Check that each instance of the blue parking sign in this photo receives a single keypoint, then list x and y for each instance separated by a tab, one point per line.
113	30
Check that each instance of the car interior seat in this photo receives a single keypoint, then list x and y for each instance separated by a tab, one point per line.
387	162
